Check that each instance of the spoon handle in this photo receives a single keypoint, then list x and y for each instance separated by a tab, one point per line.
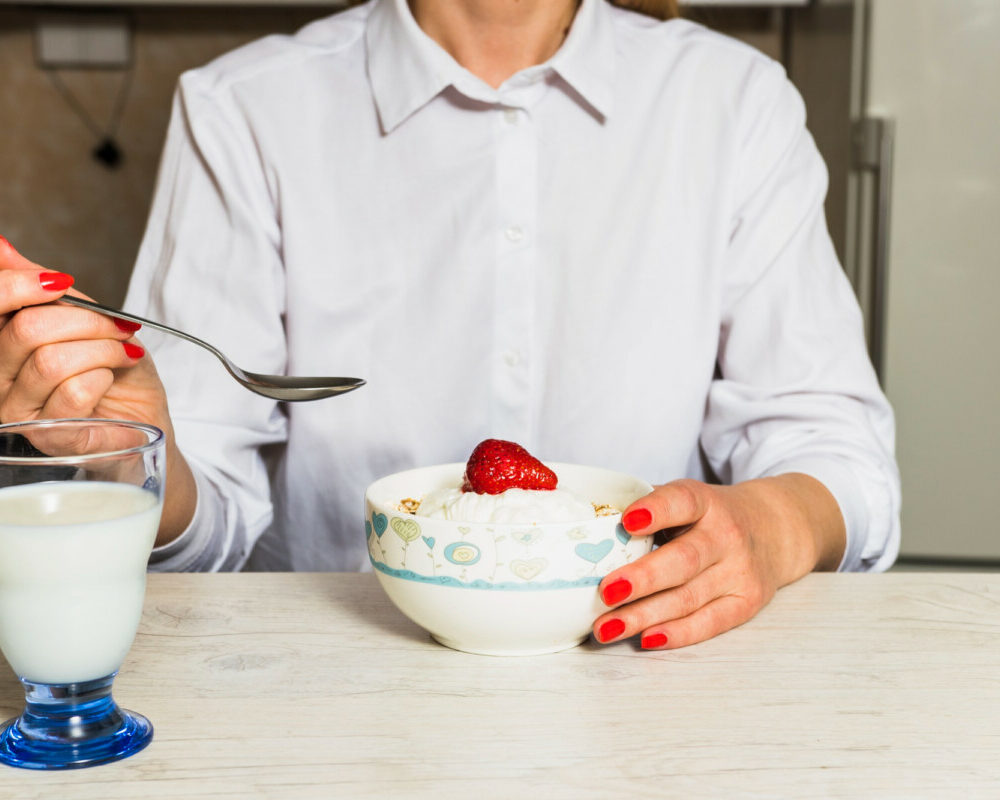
276	387
114	312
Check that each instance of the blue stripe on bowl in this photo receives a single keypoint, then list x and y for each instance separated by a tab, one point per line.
505	586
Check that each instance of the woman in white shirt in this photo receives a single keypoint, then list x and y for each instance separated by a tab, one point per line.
579	228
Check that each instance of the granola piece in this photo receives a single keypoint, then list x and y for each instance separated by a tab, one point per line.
409	506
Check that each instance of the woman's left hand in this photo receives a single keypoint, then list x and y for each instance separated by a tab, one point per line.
732	548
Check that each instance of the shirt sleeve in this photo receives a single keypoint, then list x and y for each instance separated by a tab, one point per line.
795	390
210	265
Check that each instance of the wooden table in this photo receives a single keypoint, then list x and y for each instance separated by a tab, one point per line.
313	685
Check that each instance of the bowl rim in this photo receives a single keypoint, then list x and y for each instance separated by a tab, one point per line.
386	506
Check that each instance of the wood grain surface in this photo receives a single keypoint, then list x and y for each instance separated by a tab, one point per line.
314	686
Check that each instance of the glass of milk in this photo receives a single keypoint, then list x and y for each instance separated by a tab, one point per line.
80	504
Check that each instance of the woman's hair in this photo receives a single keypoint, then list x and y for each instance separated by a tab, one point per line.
661	9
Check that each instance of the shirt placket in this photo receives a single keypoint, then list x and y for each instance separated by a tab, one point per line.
516	234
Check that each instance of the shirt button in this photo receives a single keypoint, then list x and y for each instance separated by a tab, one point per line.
512	358
510	116
514	233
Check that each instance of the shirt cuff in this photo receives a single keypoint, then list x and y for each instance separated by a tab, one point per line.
841	481
181	554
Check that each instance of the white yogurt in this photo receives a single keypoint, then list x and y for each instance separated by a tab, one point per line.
72	576
523	506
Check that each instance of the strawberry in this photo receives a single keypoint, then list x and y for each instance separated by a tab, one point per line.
497	465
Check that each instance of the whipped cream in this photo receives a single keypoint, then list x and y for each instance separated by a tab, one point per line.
521	506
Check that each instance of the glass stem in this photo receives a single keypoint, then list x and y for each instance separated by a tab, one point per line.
70	711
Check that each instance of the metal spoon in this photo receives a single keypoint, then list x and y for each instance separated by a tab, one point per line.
277	387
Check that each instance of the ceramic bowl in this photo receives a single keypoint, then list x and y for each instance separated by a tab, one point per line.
500	588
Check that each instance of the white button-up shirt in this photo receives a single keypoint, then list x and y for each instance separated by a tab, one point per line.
618	258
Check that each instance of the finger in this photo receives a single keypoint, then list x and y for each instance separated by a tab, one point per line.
718	616
48	367
672	564
78	396
679	601
31	328
23	282
11	259
671	505
28	287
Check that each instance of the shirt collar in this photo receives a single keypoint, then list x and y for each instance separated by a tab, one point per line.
407	68
586	60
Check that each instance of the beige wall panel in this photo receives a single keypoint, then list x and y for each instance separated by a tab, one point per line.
58	205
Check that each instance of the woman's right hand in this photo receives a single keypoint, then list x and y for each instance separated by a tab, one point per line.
62	361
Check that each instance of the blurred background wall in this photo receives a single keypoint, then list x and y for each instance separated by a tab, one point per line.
58	205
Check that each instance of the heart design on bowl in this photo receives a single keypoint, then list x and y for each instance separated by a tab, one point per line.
405	529
526	537
379	522
526	569
594	552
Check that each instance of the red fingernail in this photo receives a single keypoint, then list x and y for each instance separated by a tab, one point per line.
55	281
637	519
126	326
611	629
653	641
133	350
616	591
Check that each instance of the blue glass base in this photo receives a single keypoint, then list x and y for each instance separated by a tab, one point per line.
71	725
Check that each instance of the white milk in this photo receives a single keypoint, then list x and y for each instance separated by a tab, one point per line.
72	576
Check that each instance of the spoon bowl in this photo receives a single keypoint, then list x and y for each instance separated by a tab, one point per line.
289	388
